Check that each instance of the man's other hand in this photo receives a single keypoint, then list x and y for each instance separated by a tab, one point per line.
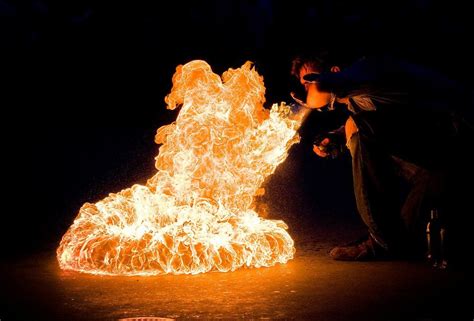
320	149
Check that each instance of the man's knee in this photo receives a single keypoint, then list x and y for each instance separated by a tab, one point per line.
352	137
350	128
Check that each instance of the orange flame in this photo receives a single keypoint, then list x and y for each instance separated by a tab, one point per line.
196	214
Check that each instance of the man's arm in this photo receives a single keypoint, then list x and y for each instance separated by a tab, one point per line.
332	143
359	78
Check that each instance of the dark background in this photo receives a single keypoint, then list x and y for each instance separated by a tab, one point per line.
89	79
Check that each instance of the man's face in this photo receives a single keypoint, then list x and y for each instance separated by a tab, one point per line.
314	97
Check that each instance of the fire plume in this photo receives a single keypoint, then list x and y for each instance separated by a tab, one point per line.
196	214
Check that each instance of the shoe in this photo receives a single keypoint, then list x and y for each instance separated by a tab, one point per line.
361	250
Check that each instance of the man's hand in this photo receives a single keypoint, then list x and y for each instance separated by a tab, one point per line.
320	149
330	144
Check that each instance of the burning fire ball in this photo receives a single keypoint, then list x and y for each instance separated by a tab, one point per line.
196	214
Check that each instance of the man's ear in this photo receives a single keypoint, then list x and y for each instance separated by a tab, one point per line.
335	69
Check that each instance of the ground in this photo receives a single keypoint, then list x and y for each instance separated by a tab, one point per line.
310	287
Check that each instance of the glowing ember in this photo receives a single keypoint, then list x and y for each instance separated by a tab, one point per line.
197	213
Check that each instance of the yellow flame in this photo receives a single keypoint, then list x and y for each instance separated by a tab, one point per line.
196	214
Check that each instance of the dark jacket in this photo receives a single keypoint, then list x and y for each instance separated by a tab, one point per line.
418	110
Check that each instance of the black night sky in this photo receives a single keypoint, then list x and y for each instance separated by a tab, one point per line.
93	77
89	79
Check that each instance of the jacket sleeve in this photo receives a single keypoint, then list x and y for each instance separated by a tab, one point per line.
359	78
395	82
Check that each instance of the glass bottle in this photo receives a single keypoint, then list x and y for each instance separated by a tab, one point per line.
436	241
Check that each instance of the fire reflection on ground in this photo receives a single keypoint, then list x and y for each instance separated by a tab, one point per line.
311	286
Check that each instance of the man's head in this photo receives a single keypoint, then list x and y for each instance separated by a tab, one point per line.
311	64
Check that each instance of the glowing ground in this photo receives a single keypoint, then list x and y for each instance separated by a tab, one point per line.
310	287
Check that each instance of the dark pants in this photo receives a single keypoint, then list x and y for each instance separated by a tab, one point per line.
394	195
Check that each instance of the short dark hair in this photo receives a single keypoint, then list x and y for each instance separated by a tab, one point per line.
320	61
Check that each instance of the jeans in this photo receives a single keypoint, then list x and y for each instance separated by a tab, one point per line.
391	222
393	195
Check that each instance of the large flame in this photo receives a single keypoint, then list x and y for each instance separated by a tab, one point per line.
197	213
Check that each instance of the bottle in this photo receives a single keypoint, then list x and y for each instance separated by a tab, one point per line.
442	262
432	237
436	241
